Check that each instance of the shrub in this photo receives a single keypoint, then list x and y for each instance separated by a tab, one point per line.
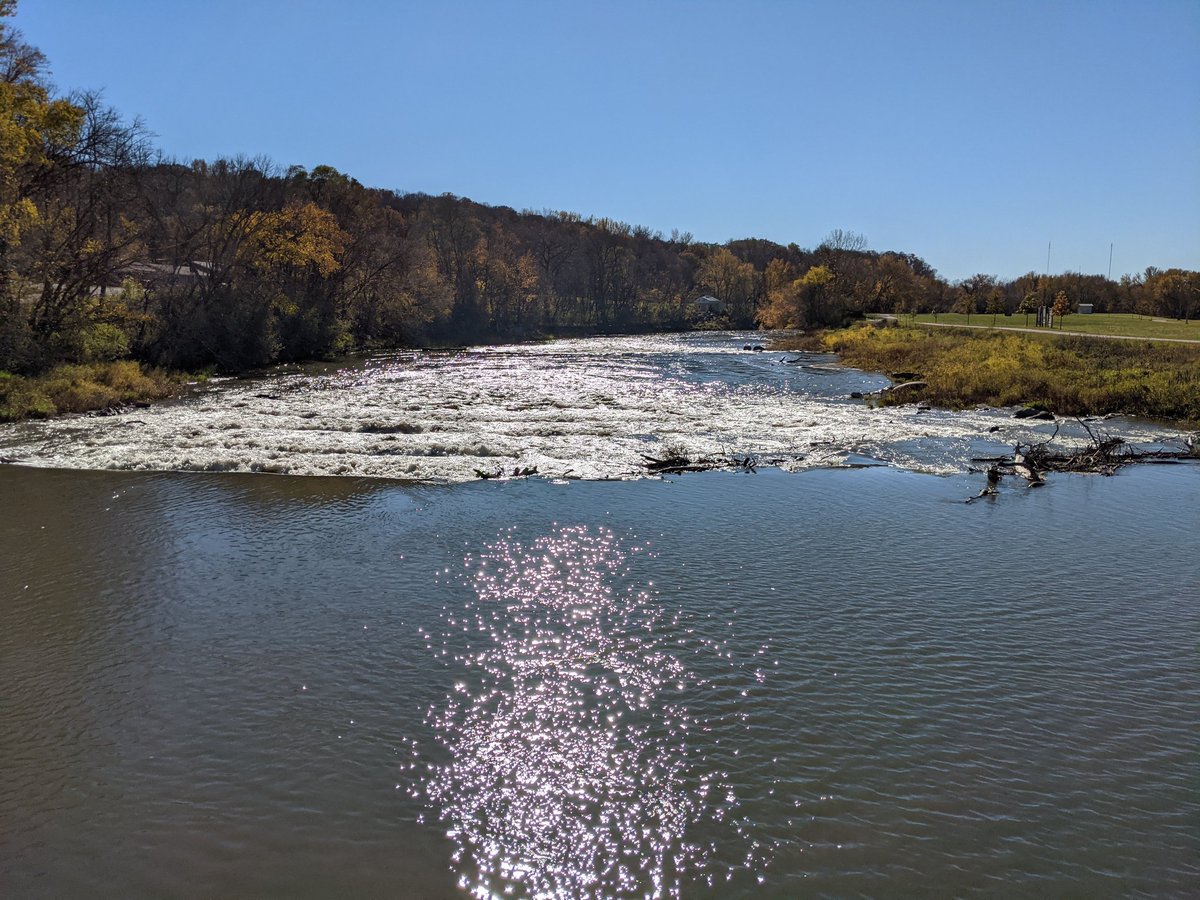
81	388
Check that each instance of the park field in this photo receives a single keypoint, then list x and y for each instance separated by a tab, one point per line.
1108	324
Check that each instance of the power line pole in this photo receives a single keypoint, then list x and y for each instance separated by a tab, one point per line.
1110	246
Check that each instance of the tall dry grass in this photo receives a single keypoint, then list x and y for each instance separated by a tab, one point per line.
83	388
1069	375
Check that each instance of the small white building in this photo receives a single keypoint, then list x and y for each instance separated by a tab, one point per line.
1085	308
708	305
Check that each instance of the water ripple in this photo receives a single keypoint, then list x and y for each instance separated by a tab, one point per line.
571	768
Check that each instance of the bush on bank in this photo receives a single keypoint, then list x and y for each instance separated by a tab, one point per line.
83	388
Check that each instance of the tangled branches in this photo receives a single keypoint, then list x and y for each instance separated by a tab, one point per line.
1103	456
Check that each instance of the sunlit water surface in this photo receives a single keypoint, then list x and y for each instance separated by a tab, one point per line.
832	682
586	408
836	682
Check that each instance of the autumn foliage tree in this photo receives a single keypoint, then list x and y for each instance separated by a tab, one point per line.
108	251
36	132
735	282
995	304
1062	306
1029	304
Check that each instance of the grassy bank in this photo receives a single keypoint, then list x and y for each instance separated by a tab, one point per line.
1069	375
83	388
1092	323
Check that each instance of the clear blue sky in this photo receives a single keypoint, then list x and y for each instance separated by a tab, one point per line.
968	132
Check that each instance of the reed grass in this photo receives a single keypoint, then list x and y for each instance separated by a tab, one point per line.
1068	375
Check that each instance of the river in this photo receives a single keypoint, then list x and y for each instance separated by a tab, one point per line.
829	677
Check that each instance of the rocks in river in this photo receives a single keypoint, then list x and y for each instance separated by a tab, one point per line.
856	395
1034	412
994	428
906	386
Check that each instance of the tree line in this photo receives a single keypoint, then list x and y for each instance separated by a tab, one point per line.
108	250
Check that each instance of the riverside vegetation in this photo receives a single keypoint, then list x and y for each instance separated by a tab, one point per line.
112	253
1065	374
84	387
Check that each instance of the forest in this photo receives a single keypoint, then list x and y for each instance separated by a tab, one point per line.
110	251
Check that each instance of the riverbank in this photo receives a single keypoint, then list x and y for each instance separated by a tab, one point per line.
1065	374
88	387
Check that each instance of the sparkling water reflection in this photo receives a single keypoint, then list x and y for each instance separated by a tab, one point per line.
210	684
582	409
571	769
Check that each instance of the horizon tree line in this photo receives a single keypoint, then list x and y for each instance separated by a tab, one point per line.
110	250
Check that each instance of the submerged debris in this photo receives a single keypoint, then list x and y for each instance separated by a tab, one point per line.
675	461
1103	456
517	472
992	488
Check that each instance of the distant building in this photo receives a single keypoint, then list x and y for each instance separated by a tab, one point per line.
1085	308
708	305
153	274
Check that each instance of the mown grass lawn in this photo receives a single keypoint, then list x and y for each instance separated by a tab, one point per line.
1094	323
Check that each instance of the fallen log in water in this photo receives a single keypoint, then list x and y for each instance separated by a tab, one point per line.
517	472
675	462
992	488
1021	466
1104	456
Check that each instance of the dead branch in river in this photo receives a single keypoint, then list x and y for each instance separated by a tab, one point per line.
674	461
1103	456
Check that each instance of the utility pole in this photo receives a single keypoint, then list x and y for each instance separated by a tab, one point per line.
1110	246
1047	258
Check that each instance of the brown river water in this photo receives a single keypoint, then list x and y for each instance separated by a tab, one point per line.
825	682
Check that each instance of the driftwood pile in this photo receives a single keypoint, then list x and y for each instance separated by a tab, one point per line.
1103	456
675	461
517	472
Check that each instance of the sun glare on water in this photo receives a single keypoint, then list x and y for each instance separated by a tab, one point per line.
573	761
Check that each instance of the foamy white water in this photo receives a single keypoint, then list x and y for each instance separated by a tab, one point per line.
586	408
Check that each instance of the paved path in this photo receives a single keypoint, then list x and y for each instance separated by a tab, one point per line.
1113	337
